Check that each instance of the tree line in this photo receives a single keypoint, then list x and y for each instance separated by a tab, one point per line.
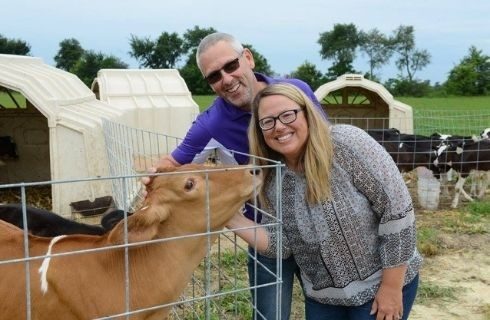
340	46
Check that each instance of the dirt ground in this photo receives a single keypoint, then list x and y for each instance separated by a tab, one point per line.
463	263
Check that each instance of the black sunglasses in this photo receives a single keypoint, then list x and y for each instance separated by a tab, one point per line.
228	67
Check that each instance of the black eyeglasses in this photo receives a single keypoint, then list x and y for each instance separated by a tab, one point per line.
228	67
285	117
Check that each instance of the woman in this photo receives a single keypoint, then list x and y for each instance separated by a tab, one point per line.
348	219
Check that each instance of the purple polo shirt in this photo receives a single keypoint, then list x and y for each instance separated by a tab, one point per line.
223	127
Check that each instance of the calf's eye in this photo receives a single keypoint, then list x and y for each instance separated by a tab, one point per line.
189	184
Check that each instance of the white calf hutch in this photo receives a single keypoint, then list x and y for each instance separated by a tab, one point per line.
160	97
55	123
364	103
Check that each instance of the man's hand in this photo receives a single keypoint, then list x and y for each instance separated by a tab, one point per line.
165	162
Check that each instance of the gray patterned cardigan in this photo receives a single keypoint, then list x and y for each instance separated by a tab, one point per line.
342	245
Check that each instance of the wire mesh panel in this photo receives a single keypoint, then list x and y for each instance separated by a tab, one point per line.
132	151
454	122
41	272
446	143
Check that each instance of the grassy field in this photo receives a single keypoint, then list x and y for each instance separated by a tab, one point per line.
449	103
451	115
472	104
8	103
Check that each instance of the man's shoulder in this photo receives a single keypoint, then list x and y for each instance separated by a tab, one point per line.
214	111
297	82
301	85
272	80
220	113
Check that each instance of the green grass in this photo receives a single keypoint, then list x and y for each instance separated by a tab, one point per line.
228	280
203	101
455	115
448	103
472	219
456	103
480	209
430	293
7	102
428	241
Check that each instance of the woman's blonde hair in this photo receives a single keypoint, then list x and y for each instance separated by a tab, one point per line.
318	155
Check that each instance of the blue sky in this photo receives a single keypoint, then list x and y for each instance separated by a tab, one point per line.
285	32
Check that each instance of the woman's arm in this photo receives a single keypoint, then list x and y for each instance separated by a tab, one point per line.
255	235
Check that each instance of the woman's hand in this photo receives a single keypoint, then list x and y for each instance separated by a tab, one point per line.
254	234
388	302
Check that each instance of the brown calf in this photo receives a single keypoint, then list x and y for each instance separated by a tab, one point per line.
92	285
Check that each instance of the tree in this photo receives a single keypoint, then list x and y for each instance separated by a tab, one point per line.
14	46
193	77
409	59
261	63
340	46
471	76
377	47
69	53
408	88
91	62
309	74
162	53
190	71
192	38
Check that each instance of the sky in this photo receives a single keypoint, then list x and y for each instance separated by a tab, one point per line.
285	32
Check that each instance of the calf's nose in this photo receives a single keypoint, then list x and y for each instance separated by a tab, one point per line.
255	171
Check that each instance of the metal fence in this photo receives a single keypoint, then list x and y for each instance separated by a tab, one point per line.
219	288
446	190
427	122
455	122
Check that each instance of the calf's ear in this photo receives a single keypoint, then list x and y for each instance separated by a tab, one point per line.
142	225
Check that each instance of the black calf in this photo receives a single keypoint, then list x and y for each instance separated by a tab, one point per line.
48	224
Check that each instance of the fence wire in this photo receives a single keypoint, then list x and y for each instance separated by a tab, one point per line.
219	287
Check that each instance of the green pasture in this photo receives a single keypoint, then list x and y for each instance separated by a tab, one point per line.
7	102
452	115
456	104
477	104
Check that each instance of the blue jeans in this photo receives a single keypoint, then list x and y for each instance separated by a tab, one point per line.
265	298
320	311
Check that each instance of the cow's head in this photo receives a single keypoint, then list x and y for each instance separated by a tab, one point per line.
188	200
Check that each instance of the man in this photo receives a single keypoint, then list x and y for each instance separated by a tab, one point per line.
228	68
